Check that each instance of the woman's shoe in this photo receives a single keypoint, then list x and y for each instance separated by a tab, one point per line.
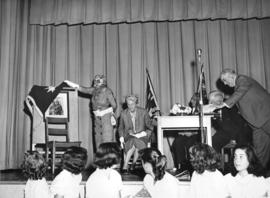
132	167
124	171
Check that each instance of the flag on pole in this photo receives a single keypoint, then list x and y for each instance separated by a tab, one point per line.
151	100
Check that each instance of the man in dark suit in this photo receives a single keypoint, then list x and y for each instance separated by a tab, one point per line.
253	102
135	128
231	126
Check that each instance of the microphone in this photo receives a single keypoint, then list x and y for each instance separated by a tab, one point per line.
199	53
220	114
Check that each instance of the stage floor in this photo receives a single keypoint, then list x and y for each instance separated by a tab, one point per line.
12	183
16	175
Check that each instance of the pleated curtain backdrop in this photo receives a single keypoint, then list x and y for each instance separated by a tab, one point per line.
116	11
48	54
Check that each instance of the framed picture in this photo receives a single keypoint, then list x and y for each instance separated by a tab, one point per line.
59	108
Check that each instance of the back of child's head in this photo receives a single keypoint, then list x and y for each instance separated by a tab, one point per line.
74	159
34	166
107	155
156	159
204	157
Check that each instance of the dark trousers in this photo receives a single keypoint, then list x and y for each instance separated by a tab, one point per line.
261	142
180	149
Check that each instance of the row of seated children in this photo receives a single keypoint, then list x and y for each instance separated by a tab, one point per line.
65	185
246	180
106	182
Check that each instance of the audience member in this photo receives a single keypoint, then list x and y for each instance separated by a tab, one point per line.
247	180
185	139
135	128
103	106
34	168
158	182
67	183
206	181
105	182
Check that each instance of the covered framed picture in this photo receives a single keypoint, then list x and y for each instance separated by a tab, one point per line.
59	108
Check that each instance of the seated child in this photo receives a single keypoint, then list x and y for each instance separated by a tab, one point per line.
247	180
157	181
206	180
105	182
34	168
67	183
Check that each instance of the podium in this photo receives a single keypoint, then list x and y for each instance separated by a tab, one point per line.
69	109
184	122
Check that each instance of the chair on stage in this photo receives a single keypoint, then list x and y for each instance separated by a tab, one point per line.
227	155
55	148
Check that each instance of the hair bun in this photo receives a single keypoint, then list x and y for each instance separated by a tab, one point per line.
162	160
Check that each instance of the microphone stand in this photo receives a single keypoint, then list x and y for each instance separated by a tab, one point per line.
199	52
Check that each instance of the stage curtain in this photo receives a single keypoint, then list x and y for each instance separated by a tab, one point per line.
47	55
115	11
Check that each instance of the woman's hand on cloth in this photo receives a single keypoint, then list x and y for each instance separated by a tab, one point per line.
72	84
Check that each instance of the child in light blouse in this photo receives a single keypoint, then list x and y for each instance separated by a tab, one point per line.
105	181
206	181
34	168
67	183
246	180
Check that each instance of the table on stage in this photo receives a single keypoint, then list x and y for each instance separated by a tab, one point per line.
184	122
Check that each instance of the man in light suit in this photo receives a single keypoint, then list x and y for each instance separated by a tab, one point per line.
135	128
253	102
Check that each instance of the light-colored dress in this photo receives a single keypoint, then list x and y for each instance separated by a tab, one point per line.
167	187
66	184
209	184
104	183
36	188
248	186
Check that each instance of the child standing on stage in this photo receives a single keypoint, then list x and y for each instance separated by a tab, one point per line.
34	168
67	183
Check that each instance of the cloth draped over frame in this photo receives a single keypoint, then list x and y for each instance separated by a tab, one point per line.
40	97
36	104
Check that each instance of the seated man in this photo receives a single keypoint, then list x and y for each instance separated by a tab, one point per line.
231	126
135	128
186	139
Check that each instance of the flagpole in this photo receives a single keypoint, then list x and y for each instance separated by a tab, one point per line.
151	87
199	53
